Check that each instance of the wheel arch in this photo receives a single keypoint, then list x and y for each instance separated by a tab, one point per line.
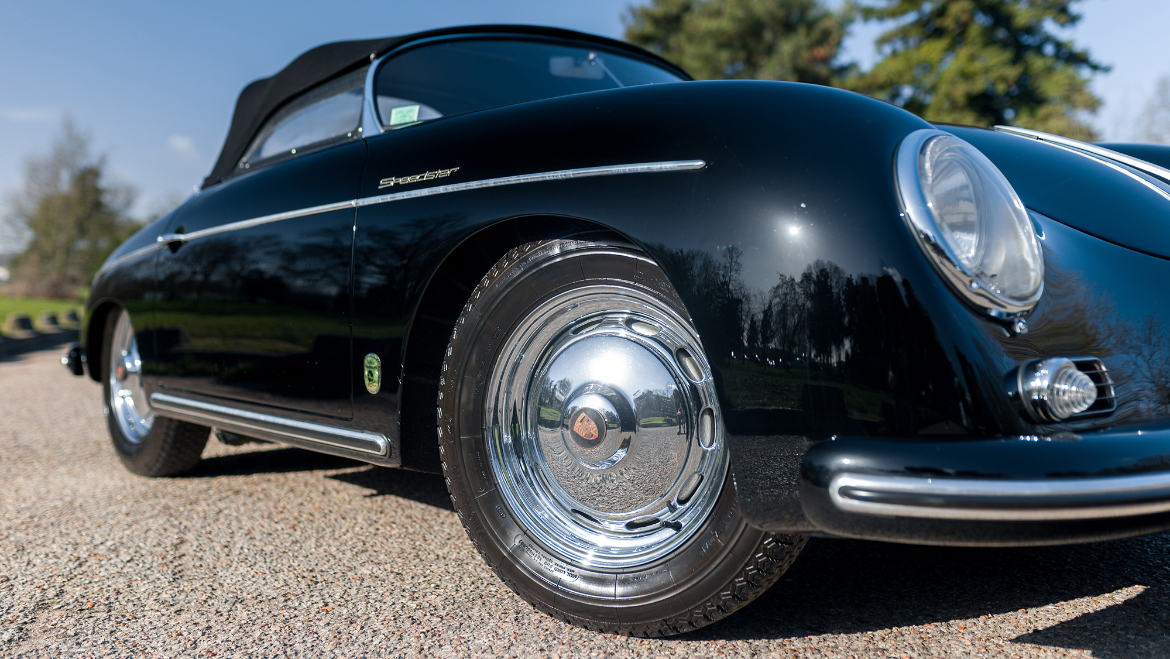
94	335
443	297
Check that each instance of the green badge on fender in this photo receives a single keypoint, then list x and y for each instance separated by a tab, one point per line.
373	371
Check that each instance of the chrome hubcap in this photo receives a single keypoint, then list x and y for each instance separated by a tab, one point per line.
128	402
604	429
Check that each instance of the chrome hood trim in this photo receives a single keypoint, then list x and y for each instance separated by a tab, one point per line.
1092	149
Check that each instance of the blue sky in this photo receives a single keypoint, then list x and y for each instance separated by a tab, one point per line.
155	82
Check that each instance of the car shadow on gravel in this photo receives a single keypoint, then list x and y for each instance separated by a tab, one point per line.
429	489
847	586
275	461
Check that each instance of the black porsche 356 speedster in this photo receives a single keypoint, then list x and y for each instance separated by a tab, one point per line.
664	330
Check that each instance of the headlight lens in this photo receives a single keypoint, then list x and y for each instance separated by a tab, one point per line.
970	222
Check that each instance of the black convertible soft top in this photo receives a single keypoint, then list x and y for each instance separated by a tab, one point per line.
262	97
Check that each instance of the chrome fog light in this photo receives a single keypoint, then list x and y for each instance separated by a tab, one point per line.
1052	390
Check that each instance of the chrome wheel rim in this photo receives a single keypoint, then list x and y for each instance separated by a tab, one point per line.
128	401
603	428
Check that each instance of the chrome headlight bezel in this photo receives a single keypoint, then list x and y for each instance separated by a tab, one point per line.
924	225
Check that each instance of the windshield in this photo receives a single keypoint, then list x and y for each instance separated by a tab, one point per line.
454	77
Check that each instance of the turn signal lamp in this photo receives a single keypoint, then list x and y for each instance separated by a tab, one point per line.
1052	390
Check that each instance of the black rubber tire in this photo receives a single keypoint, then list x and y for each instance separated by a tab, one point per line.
171	448
724	566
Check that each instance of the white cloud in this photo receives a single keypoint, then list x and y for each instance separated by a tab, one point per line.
30	115
183	146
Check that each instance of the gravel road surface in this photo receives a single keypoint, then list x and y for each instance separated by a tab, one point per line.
267	551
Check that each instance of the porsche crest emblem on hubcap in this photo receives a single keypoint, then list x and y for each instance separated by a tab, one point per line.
588	427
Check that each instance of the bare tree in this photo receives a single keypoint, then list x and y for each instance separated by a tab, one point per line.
70	215
1154	123
790	316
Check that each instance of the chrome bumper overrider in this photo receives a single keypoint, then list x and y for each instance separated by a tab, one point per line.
1001	500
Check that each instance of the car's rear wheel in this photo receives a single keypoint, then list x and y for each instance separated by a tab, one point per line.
584	450
147	444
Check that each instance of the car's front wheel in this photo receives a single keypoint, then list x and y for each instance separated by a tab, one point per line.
147	444
584	450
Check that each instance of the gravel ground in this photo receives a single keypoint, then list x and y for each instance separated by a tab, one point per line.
268	551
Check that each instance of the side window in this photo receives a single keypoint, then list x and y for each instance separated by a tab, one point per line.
324	115
453	77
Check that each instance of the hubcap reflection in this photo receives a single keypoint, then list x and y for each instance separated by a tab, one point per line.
128	402
604	444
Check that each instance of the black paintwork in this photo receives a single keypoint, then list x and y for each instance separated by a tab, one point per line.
839	329
262	314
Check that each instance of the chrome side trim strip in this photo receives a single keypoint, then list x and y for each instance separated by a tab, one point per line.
1099	151
1016	501
141	251
266	426
255	222
560	175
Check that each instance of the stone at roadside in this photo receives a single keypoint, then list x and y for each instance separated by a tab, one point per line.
48	322
19	326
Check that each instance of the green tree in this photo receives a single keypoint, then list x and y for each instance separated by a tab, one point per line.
749	39
984	62
72	217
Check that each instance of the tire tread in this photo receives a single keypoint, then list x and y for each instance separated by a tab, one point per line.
183	445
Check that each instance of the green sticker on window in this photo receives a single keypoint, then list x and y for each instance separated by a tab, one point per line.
406	114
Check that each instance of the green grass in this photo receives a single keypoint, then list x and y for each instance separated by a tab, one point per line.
34	307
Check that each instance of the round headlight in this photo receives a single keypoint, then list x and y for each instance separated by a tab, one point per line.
970	223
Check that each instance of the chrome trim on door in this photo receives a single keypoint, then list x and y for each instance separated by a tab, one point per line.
314	436
1003	500
142	251
560	175
255	222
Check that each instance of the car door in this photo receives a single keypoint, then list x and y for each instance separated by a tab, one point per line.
254	288
417	140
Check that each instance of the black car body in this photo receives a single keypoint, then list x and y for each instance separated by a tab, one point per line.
310	298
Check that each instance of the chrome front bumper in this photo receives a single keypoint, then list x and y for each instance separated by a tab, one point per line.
990	491
1015	500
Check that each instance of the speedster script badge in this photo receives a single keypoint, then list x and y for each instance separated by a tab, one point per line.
425	176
